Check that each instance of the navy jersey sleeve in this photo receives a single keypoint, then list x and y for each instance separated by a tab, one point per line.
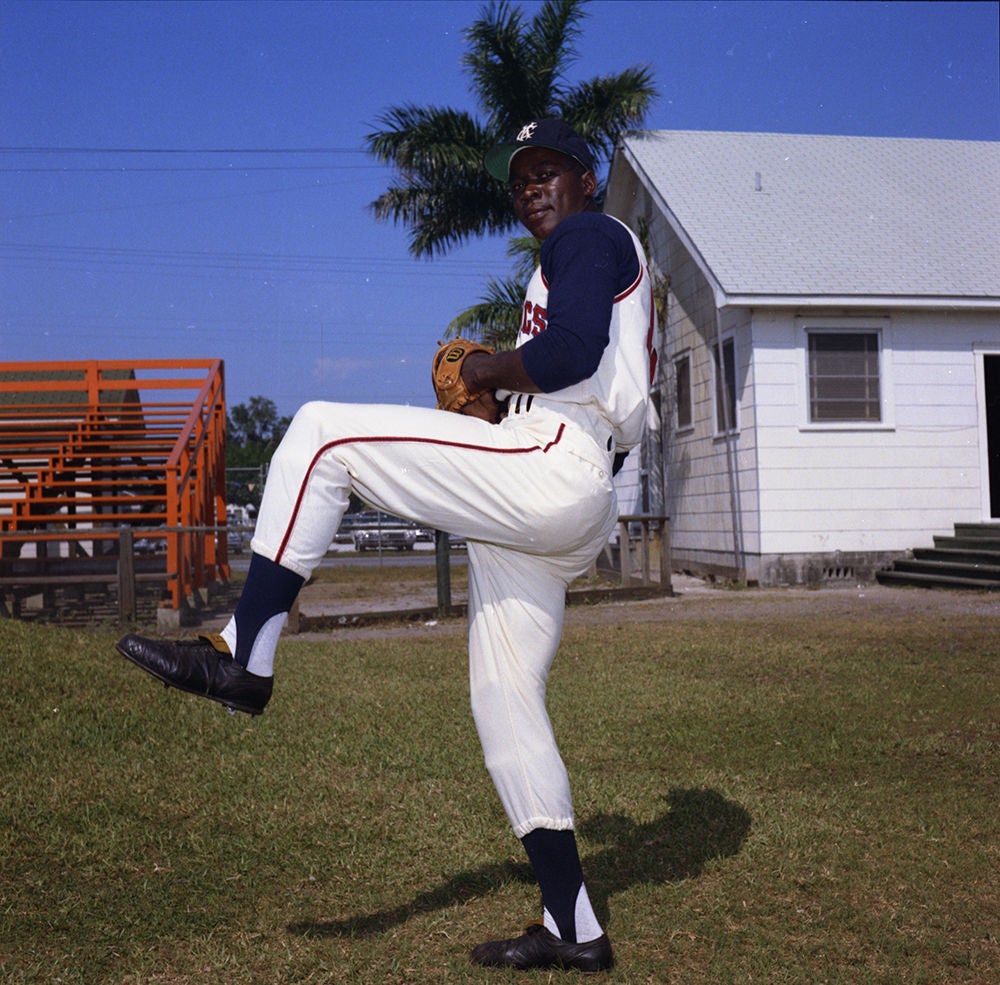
587	261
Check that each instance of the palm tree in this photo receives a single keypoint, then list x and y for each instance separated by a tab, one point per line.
441	192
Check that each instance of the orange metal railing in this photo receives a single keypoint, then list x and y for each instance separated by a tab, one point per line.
87	448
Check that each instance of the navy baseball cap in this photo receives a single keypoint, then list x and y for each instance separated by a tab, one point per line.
553	133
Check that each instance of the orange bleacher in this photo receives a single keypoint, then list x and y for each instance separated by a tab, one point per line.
92	450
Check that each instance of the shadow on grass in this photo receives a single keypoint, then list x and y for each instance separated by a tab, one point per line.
698	826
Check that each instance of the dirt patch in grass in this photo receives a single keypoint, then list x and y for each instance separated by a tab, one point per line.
400	589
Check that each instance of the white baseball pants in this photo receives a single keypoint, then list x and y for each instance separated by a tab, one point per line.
533	496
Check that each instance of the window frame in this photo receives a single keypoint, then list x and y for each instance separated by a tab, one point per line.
684	358
880	328
718	360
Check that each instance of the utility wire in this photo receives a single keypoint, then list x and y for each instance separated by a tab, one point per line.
230	168
199	261
182	150
141	151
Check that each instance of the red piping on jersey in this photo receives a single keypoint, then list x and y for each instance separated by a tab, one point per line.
628	290
650	336
407	440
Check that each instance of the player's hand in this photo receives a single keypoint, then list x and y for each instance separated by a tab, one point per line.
486	407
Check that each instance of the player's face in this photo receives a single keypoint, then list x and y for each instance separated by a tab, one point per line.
547	187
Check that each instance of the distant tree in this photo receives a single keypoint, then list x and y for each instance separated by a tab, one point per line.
253	432
256	423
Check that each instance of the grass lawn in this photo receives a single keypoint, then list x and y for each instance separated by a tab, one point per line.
783	798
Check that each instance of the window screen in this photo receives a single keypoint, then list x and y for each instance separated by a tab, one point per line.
844	380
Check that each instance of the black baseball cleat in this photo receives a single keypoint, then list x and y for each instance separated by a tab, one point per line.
539	948
203	666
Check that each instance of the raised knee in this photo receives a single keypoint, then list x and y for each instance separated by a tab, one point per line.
312	410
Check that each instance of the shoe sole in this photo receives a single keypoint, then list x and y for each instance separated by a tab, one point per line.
228	704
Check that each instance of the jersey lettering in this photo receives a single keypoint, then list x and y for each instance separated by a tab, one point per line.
534	319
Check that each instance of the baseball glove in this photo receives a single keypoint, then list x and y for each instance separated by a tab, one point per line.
446	373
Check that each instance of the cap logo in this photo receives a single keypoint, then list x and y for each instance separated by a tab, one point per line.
526	131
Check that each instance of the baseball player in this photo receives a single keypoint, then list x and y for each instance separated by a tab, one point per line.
518	459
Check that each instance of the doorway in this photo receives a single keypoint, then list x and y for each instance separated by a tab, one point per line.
991	401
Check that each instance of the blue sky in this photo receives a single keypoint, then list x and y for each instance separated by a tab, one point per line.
211	248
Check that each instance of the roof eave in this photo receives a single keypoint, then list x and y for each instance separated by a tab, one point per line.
675	224
894	301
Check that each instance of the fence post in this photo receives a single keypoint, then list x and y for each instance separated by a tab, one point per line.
624	554
665	565
442	549
126	576
645	552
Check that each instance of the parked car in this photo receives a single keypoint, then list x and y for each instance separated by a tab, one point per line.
376	539
456	542
372	531
240	523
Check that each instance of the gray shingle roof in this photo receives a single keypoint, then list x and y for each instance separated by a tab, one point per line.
783	214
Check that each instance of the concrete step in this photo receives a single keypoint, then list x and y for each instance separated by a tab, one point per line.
916	579
955	556
977	530
976	543
949	568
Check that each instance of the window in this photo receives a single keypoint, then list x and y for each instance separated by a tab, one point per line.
725	386
844	377
684	406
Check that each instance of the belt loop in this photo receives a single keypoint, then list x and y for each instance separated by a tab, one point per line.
517	405
527	404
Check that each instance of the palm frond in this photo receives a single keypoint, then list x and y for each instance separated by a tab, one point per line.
600	109
525	252
424	140
496	59
447	210
496	319
551	42
518	69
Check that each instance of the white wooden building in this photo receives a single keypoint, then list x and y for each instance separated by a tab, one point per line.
830	361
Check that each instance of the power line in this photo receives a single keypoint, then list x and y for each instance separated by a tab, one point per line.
200	261
182	150
200	255
231	168
173	151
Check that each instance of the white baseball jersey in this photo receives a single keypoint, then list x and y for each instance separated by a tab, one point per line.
619	389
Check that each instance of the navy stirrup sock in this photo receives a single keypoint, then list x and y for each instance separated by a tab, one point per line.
556	862
269	591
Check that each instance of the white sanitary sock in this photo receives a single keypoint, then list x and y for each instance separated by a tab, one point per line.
587	927
261	660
